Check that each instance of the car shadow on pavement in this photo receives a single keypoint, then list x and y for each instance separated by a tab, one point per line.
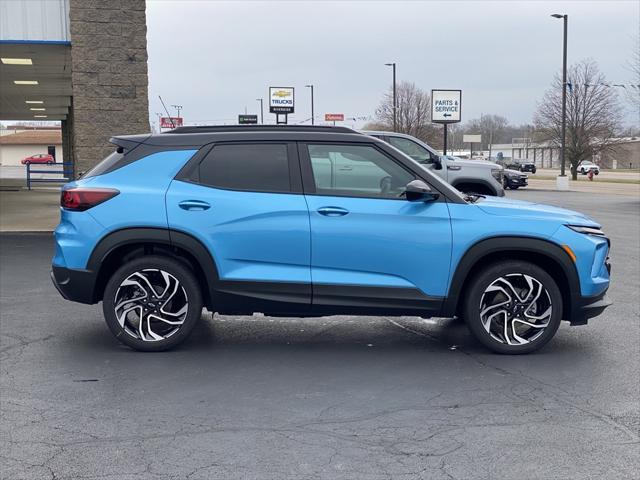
215	333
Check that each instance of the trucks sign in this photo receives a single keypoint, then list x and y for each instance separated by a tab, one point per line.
281	100
446	106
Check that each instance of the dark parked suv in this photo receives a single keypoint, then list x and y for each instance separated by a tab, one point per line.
312	221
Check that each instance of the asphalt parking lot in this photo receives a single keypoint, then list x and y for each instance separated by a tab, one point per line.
335	398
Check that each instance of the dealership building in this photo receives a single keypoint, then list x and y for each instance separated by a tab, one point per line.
80	62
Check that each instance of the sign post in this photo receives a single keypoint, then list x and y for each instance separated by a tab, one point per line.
446	108
281	102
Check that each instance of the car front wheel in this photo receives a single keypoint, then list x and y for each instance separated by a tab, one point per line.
513	307
152	303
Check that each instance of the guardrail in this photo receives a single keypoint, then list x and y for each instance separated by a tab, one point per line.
67	174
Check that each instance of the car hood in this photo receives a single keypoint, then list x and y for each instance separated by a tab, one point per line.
509	207
508	171
475	163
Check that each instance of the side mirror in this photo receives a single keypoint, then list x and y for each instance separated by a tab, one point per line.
418	191
437	162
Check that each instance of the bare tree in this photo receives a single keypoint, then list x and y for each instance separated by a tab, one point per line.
593	114
413	112
491	127
632	91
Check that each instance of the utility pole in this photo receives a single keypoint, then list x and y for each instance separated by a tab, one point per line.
563	133
395	104
312	106
178	108
261	110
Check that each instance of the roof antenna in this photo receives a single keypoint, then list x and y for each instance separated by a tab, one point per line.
168	114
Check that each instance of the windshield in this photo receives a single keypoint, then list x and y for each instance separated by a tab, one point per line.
414	150
432	178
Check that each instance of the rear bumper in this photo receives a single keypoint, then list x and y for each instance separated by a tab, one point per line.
589	307
75	285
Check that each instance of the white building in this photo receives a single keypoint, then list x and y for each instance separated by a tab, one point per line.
18	144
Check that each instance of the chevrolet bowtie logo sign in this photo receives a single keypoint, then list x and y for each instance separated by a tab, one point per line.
281	100
282	93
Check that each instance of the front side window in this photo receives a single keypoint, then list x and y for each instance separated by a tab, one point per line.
356	170
251	167
412	149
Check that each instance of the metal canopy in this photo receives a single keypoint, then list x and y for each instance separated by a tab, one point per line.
51	69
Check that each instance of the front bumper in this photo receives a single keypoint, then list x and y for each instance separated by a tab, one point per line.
75	285
589	307
517	182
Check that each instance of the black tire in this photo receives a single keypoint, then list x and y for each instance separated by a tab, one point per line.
484	279
533	171
596	172
192	297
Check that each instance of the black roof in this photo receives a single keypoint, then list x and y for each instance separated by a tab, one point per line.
198	136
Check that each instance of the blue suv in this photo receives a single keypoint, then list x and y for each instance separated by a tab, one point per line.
312	221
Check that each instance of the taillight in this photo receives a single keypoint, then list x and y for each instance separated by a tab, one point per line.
81	199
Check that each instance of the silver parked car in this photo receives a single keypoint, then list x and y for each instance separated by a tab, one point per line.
468	176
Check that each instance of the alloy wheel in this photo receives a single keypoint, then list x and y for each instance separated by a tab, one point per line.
515	309
151	305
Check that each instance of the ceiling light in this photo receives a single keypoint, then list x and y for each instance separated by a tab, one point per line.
37	109
39	116
17	61
34	101
25	82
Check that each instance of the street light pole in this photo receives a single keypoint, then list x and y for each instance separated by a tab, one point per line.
261	110
312	111
564	94
395	104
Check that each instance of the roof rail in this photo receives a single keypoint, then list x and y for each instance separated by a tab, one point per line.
260	128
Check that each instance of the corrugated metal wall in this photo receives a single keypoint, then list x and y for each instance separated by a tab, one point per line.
44	20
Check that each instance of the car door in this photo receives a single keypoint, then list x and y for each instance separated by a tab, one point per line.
244	202
370	246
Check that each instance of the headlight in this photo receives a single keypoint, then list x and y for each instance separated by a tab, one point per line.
587	230
497	174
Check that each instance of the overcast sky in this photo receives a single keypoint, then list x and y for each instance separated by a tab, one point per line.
217	57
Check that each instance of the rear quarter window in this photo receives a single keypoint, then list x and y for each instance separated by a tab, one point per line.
104	165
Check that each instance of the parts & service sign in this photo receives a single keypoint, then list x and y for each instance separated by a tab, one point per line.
446	106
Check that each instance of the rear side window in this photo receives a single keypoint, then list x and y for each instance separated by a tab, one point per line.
104	165
253	167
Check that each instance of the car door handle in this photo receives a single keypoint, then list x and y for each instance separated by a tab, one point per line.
332	211
345	169
454	167
194	205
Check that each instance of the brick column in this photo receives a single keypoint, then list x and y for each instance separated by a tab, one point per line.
108	75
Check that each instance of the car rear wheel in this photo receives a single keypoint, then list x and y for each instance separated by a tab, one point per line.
152	303
513	307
